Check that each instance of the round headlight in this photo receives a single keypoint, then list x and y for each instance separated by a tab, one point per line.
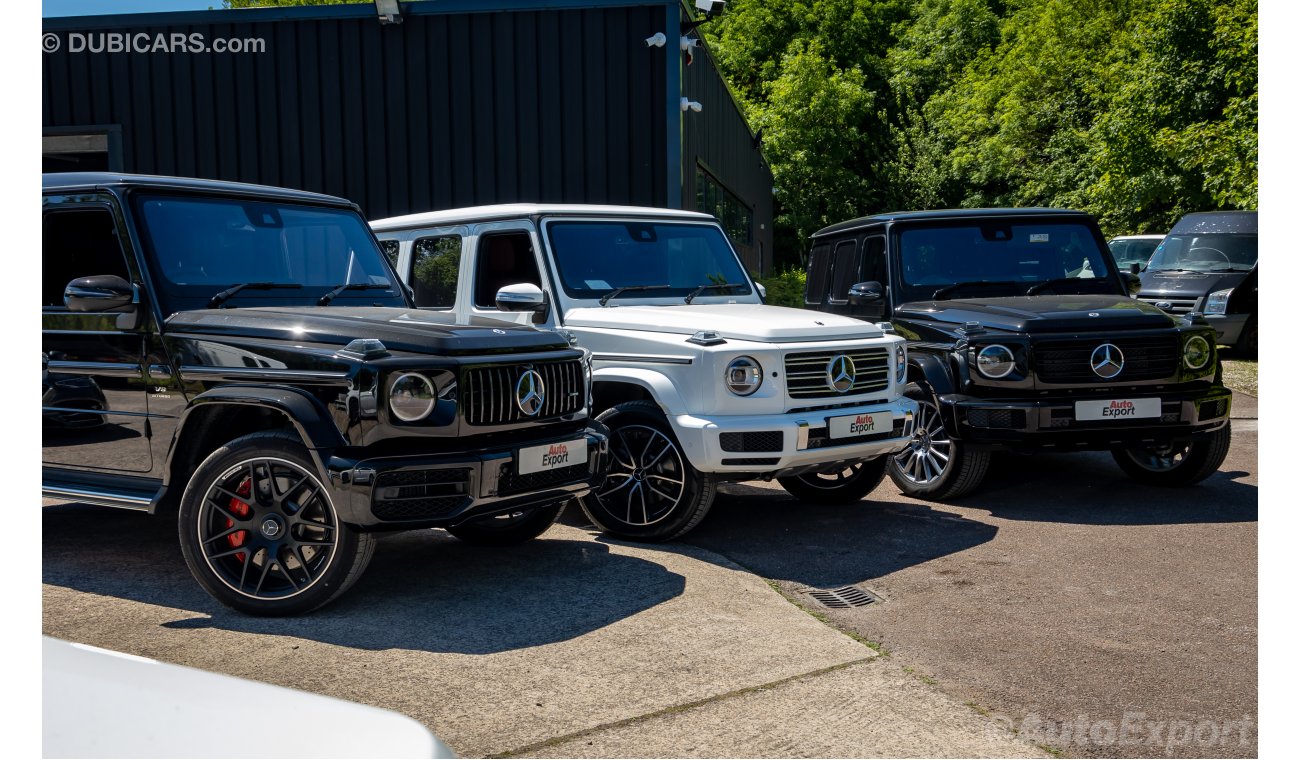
744	375
900	362
411	397
995	361
1196	352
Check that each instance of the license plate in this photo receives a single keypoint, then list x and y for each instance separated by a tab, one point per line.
552	456
1117	409
854	425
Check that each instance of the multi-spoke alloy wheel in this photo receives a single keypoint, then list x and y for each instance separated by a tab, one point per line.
935	465
846	484
1176	464
652	493
259	532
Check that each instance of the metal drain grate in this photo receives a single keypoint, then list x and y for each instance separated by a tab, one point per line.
841	598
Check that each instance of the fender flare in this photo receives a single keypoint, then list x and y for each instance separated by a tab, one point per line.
660	387
934	371
305	413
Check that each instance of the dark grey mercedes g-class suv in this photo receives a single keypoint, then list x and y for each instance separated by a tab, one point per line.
246	357
1022	335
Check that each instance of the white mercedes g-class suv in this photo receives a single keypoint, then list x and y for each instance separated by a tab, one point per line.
698	380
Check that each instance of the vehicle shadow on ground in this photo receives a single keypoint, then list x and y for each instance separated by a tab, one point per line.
824	546
1088	488
424	590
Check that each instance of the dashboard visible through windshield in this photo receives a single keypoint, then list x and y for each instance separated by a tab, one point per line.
660	260
1001	258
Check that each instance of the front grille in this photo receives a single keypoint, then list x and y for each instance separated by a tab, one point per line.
488	394
1210	409
1176	305
764	440
1070	361
819	438
805	373
420	494
512	483
1007	419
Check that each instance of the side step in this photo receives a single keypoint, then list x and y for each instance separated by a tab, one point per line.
138	499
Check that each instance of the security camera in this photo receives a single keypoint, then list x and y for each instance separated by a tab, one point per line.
711	7
659	40
689	42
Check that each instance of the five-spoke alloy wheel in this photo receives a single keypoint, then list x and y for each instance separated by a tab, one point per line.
259	532
652	493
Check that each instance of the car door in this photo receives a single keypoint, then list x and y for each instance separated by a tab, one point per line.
94	404
506	253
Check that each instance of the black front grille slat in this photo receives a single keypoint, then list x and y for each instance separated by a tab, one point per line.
420	494
1071	361
805	373
488	397
761	440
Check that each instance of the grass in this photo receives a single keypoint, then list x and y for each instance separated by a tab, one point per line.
824	620
1241	375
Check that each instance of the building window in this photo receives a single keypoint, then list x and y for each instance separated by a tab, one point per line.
736	218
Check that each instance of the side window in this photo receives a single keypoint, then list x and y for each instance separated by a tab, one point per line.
818	266
77	243
504	258
391	249
844	270
435	270
874	267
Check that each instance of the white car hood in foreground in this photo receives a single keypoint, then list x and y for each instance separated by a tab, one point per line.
750	321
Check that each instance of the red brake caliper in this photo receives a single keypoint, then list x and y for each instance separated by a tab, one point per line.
237	538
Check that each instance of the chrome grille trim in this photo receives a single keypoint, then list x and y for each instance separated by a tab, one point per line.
805	372
487	394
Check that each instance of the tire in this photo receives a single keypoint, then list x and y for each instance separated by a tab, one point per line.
843	486
679	496
509	529
1177	464
934	466
259	532
1247	345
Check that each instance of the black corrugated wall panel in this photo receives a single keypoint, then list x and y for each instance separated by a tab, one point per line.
719	139
443	110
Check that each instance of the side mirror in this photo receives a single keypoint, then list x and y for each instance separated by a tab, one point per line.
104	292
866	292
1134	283
1135	268
762	292
523	296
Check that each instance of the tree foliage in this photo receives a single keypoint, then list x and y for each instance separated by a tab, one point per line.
1135	110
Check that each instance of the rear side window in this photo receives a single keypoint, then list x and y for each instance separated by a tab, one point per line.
390	248
844	270
78	243
435	271
819	260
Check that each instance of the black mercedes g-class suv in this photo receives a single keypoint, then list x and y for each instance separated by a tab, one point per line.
245	356
1022	335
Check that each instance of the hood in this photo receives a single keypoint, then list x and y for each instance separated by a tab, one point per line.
1036	313
410	330
756	322
1188	285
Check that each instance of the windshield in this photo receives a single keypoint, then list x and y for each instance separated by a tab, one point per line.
1009	257
593	259
281	253
1128	252
1206	253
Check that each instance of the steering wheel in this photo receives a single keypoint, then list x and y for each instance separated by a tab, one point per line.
1226	260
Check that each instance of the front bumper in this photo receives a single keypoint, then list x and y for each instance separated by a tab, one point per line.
1050	423
789	444
441	489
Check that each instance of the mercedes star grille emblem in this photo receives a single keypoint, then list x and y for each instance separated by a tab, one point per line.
840	373
1107	360
530	393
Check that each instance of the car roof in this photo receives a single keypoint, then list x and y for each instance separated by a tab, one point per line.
1136	237
516	210
71	181
947	213
1223	222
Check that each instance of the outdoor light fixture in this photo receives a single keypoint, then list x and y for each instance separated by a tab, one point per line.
658	40
388	11
691	105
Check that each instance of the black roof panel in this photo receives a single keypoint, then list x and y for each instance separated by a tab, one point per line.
948	213
89	180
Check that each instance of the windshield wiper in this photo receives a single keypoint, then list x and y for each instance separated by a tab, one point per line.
712	286
945	290
1052	283
225	295
325	299
616	292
